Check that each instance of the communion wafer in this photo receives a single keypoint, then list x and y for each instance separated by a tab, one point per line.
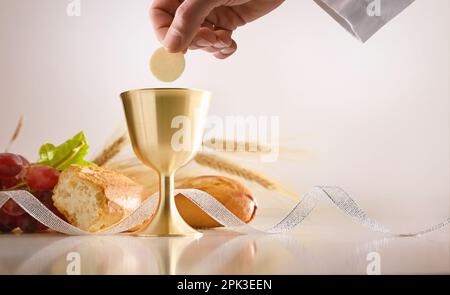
166	66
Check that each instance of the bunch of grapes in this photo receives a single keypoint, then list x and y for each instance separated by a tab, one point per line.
16	173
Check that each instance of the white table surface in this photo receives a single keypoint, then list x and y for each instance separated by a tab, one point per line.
318	246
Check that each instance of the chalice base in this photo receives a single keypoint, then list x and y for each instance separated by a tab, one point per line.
162	225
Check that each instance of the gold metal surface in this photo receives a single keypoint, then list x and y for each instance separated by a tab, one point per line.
156	118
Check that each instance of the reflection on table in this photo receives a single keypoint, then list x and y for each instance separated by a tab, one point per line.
308	251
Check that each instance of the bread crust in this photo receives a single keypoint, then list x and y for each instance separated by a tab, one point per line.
231	193
118	195
116	187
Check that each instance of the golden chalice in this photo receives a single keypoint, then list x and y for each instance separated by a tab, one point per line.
166	129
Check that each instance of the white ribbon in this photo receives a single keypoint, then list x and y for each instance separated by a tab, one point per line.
216	210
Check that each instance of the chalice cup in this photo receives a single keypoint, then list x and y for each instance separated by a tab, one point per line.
166	130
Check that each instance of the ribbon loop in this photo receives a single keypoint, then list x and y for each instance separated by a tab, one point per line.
215	210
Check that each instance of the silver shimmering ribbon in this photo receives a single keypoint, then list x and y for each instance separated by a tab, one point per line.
217	211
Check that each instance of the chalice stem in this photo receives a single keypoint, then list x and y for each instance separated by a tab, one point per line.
167	206
167	221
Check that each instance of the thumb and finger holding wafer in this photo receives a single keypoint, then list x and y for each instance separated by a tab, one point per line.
176	24
199	25
167	64
188	25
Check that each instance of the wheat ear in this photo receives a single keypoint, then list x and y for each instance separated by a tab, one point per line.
111	150
221	164
236	146
15	134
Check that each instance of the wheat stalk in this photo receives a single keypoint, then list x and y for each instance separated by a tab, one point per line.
15	134
132	167
112	150
218	163
246	147
236	146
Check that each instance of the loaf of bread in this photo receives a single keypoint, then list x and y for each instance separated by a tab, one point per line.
93	198
231	193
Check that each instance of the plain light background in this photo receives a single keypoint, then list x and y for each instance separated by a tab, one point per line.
372	118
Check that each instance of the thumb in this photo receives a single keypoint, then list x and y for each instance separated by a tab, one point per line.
187	21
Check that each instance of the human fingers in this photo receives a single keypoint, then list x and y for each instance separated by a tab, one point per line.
188	19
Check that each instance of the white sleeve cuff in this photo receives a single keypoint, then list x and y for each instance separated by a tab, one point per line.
363	18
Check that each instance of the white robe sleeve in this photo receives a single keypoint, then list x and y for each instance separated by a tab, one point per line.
363	18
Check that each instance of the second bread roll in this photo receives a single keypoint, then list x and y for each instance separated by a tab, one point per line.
231	193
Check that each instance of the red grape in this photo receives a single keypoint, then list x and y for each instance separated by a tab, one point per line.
12	209
10	182
10	165
7	222
6	183
42	178
43	196
24	161
46	198
10	218
14	171
27	223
